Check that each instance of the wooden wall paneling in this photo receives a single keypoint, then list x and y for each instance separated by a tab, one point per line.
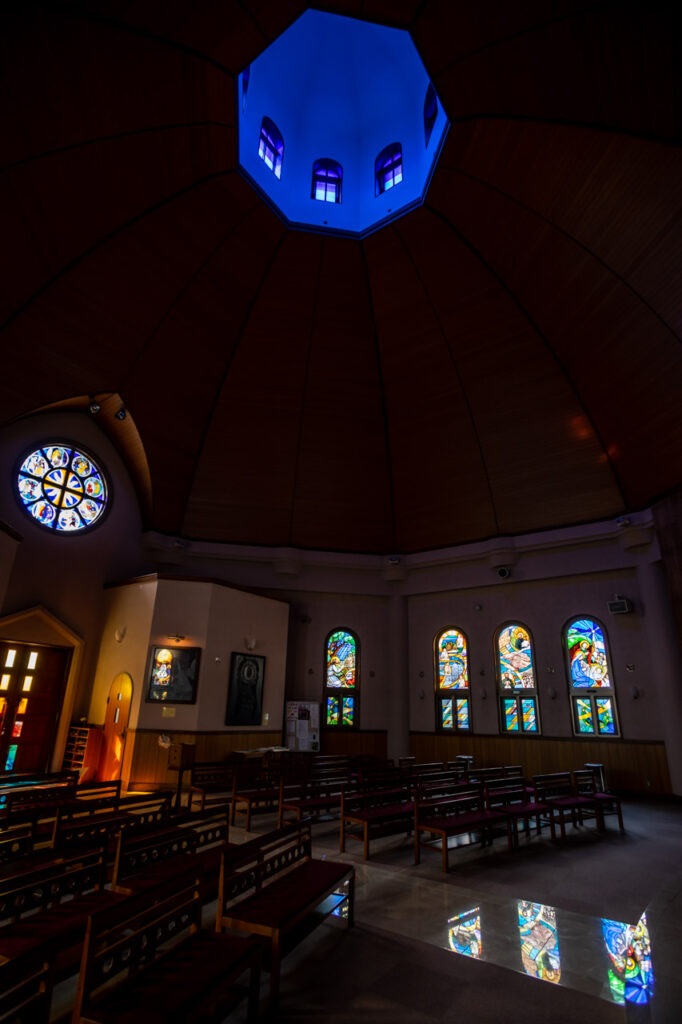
149	762
363	743
637	767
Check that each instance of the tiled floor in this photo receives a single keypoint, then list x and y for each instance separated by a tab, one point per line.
426	941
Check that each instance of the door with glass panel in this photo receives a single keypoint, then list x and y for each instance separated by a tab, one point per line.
32	683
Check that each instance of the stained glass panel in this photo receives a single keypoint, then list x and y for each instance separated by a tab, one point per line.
631	977
511	715
530	720
464	933
446	714
453	671
462	713
11	757
539	941
587	654
515	658
341	659
583	706
348	712
605	720
62	489
333	711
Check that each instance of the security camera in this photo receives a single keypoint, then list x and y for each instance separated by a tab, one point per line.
503	572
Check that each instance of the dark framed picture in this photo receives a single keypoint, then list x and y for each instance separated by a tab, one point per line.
173	675
245	693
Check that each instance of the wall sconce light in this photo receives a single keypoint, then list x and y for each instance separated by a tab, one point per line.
121	414
176	636
249	642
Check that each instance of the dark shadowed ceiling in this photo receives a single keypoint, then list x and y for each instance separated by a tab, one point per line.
503	359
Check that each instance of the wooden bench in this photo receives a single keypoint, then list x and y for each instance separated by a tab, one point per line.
455	815
48	906
511	797
254	791
566	804
311	797
586	785
145	857
272	887
210	781
26	988
148	960
371	815
16	842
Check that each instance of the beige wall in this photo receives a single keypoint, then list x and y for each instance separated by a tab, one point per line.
216	619
124	644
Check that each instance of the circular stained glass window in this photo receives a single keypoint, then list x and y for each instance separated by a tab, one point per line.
62	488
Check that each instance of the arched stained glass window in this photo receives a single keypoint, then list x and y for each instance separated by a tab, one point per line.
388	168
327	181
341	680
453	703
592	697
62	488
271	146
516	679
430	113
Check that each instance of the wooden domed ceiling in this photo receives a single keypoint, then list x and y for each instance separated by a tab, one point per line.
503	359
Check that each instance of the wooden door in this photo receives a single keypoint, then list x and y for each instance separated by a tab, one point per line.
115	727
32	684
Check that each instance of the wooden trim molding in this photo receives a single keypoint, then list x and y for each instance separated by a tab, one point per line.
146	763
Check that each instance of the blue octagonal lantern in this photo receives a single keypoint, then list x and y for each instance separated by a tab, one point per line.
339	126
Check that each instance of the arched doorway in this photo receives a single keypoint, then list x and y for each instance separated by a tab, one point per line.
115	727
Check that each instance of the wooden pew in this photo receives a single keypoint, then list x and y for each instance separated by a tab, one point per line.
585	784
272	887
254	791
511	797
143	858
455	815
558	790
149	955
211	781
311	797
48	906
371	815
26	983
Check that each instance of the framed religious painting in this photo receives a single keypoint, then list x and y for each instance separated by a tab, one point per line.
245	692
173	675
